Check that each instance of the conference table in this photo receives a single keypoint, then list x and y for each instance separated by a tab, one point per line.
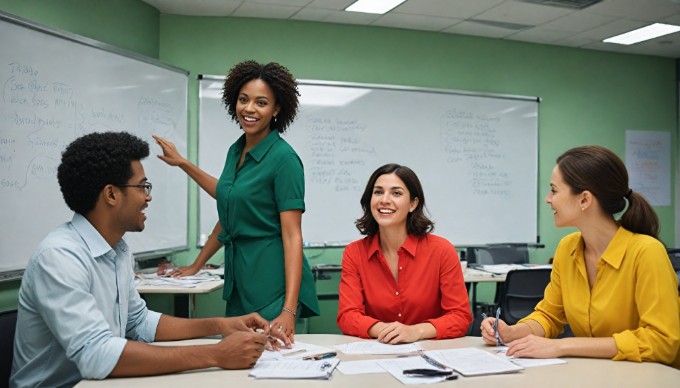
577	372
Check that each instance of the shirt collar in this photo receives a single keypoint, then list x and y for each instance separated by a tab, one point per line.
94	241
260	150
409	245
615	251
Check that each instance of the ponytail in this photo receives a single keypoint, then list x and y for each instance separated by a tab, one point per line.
640	217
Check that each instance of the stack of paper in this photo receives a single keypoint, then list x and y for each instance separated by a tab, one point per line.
186	281
294	369
296	352
473	362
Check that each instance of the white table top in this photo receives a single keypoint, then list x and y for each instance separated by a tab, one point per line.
473	276
201	288
577	372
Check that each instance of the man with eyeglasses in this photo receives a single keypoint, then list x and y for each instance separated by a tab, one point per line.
80	315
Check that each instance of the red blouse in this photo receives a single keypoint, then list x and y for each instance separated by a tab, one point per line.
430	287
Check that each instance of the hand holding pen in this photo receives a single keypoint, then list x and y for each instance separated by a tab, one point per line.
491	329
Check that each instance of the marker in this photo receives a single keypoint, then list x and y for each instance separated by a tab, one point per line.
321	356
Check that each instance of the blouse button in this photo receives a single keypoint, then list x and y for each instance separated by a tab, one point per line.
399	315
396	293
400	268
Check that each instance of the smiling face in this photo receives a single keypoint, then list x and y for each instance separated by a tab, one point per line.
565	205
255	108
134	202
391	202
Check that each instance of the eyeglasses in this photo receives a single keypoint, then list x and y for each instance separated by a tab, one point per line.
146	186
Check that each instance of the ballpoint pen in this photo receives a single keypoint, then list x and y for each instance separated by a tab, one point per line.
321	356
499	341
434	362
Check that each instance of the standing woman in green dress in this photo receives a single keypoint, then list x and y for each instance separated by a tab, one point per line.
260	200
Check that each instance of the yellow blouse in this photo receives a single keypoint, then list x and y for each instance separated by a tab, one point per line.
634	298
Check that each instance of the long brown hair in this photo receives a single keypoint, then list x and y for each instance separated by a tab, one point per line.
417	222
603	173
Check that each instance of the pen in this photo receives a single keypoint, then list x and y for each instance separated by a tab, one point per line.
499	341
321	356
426	372
433	362
295	352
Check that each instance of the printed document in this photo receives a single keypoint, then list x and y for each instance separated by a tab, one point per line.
375	347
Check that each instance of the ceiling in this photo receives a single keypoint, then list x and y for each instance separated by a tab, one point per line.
518	20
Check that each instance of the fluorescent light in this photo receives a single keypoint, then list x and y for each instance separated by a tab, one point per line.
645	33
373	6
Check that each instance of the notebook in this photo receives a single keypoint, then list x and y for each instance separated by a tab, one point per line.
473	362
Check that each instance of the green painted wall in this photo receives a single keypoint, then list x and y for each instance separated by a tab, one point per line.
589	97
128	24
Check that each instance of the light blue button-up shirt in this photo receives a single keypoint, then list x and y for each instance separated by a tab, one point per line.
77	304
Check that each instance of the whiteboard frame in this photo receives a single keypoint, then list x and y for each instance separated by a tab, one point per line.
219	78
9	275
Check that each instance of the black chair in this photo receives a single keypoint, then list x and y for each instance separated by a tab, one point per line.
8	323
495	254
498	254
522	291
674	256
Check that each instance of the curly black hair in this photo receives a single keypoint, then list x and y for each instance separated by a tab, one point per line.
95	160
417	222
280	80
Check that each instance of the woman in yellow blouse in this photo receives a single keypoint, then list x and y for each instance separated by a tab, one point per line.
611	281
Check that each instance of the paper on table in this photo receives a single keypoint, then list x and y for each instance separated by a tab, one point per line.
299	350
360	367
526	362
153	279
375	347
294	369
397	366
473	362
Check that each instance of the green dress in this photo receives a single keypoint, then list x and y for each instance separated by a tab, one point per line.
249	202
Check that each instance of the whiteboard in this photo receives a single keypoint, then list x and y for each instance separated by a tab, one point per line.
476	156
58	86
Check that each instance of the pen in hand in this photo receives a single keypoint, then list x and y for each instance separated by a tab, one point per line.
499	341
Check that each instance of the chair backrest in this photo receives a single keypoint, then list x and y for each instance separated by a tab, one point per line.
674	256
8	323
499	254
523	289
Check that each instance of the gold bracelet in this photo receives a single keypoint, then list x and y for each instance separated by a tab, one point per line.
530	328
290	311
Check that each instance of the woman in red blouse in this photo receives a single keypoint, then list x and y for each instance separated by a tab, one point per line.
400	283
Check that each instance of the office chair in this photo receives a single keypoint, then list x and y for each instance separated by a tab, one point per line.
523	290
8	323
498	254
674	256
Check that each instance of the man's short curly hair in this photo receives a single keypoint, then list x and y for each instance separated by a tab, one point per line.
95	160
279	79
